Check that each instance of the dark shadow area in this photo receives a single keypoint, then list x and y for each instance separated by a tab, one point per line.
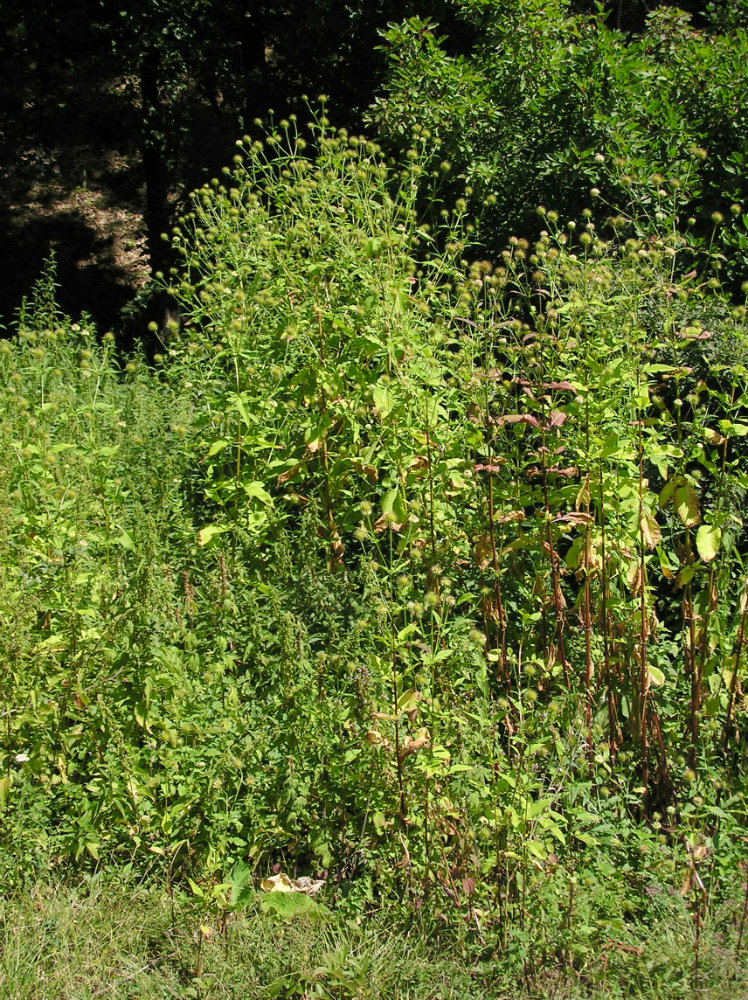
69	183
88	275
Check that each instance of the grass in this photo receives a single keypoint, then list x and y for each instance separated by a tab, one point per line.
112	939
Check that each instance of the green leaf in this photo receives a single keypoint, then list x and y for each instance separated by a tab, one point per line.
217	446
610	445
708	538
241	885
685	575
392	503
196	890
258	491
408	701
383	399
211	531
535	808
241	407
125	541
668	491
536	849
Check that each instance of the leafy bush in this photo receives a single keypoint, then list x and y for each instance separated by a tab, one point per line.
550	104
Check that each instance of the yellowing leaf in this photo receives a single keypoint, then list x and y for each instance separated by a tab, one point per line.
277	883
583	496
708	538
687	505
713	436
650	530
656	676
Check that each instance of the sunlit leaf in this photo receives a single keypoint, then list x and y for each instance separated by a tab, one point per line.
708	539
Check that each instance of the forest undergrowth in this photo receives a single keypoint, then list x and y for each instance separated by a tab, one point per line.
404	581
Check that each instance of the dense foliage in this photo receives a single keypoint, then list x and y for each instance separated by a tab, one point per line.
403	576
419	573
550	103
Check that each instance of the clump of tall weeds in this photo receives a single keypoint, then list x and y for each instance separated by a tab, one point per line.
424	572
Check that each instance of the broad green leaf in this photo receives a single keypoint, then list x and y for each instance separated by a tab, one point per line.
668	491
217	446
536	849
708	538
241	883
258	491
211	531
392	503
125	541
408	701
535	808
196	890
685	575
241	408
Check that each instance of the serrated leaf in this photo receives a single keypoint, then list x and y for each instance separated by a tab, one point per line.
708	539
287	905
241	885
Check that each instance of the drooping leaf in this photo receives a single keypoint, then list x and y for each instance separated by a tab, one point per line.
687	505
651	532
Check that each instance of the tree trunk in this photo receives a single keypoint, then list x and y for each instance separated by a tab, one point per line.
155	167
252	39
